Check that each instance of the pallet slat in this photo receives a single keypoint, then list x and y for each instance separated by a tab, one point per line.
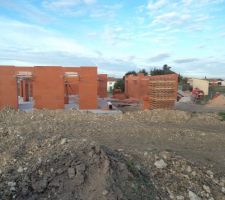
162	91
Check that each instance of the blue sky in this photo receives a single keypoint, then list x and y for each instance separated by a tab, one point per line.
115	35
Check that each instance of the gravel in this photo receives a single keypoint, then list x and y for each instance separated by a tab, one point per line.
140	155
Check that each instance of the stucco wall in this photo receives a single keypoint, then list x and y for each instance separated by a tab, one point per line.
202	85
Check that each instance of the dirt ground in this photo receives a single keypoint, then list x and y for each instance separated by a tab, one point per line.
158	154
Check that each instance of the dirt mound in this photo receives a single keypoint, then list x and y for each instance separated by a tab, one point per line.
156	154
218	101
172	116
91	173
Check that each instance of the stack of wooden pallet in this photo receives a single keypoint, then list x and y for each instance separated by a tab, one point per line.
162	91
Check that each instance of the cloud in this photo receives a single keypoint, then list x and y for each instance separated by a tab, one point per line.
222	34
159	57
156	5
211	1
62	4
26	9
17	35
200	46
90	8
201	18
27	44
114	35
89	2
186	60
187	2
171	18
185	15
195	27
205	67
105	11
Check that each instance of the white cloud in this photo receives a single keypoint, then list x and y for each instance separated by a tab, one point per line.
26	9
89	2
62	4
114	35
17	35
90	8
105	11
171	18
159	57
202	18
157	4
204	67
27	44
187	2
222	34
186	60
211	1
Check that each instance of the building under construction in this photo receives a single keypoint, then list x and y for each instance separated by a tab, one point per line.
51	87
154	91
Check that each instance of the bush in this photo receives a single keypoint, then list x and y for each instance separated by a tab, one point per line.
119	85
222	115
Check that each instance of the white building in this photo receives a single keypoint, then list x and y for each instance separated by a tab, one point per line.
110	83
200	84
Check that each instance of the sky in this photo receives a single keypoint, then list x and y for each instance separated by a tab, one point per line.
115	35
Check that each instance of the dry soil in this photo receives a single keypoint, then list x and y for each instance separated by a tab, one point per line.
140	155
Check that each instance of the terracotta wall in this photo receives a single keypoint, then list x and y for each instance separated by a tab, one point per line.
88	88
72	86
48	87
73	82
8	87
153	91
102	85
24	84
85	85
136	86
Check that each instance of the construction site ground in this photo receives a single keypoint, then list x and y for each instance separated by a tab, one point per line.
158	154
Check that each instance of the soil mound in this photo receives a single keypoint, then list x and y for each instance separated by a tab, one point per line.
218	101
93	173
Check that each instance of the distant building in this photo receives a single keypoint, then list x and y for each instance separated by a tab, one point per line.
201	84
216	82
110	83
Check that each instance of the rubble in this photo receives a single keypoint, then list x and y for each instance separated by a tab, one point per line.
107	174
193	196
160	164
145	155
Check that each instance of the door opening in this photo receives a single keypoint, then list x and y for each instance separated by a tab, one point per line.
25	91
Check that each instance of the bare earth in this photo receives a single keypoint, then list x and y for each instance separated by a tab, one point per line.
140	155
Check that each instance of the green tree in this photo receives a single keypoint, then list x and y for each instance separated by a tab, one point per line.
143	71
131	72
119	85
165	70
180	78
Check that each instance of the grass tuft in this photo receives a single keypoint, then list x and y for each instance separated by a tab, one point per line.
222	115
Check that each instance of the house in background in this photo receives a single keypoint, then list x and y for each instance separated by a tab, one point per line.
201	84
216	82
110	83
